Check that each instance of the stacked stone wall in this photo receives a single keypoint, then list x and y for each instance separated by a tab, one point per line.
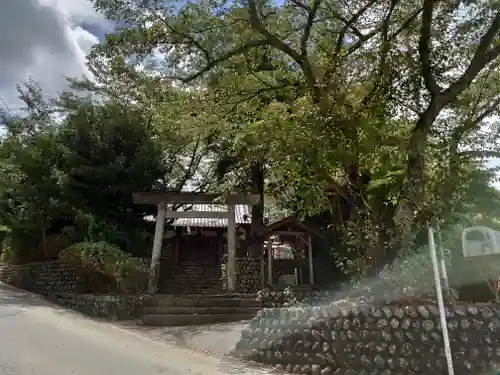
113	307
374	339
247	274
43	278
60	283
274	298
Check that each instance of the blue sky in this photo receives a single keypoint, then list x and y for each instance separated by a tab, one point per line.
45	40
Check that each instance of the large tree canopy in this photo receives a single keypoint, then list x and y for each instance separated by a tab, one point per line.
368	118
330	95
76	161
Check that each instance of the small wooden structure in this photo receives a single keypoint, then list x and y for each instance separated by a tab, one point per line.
292	236
161	200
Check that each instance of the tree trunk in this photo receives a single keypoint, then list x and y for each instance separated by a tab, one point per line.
412	192
257	181
44	244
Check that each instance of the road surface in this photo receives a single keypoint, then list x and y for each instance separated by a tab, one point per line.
38	338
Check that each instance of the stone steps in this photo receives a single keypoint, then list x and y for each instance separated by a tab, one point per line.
171	320
189	277
174	310
204	300
187	290
200	310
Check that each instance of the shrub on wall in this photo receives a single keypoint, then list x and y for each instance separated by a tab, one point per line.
106	268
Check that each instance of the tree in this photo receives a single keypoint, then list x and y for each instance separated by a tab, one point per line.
107	154
79	169
331	76
30	183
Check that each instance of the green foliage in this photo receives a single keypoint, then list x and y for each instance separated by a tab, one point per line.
90	161
107	153
30	182
318	94
91	228
7	254
106	268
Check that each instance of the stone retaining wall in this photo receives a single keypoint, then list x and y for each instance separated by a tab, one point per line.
43	278
247	274
273	298
60	283
102	306
374	339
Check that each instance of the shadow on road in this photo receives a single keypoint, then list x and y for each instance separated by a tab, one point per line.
12	297
216	339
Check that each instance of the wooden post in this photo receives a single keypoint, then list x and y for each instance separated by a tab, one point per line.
157	247
311	265
177	239
269	261
231	248
262	268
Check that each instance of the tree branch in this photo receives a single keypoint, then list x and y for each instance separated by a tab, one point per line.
406	24
482	57
279	44
214	62
424	48
354	47
479	154
413	188
194	162
272	39
362	38
382	80
349	24
301	5
258	92
188	37
311	15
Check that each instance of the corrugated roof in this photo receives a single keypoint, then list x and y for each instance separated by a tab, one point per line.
243	215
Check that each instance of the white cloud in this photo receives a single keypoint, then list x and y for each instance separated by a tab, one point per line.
76	10
45	40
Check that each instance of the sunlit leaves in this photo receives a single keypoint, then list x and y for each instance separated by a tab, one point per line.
313	89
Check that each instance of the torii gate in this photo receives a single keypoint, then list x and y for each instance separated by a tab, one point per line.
162	199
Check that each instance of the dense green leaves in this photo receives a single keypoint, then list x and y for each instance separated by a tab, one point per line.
321	92
101	264
79	170
370	117
107	153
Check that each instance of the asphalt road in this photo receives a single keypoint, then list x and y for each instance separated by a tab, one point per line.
39	338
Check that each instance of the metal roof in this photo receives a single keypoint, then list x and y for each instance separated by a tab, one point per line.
243	215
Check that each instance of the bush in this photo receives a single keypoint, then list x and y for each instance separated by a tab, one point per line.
7	254
106	268
12	254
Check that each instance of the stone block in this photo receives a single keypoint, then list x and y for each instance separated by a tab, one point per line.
374	339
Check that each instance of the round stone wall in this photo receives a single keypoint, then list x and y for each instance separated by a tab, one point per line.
377	339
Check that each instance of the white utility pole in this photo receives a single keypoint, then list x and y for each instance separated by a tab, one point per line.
439	291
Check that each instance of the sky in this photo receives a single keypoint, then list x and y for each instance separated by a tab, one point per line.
45	40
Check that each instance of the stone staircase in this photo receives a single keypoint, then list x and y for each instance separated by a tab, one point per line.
178	310
192	278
